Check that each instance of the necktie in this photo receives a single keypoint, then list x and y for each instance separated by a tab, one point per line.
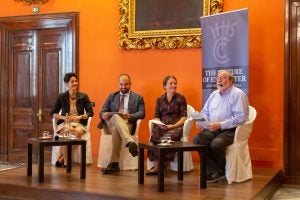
121	106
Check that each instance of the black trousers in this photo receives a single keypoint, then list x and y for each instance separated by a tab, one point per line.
217	142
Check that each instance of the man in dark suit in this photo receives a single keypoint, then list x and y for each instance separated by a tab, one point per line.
118	116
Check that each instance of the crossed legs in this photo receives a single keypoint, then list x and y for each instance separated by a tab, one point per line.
78	131
120	130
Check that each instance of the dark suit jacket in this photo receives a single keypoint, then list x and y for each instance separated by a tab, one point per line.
136	108
82	104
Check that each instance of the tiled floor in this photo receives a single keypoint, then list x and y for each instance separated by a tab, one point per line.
287	193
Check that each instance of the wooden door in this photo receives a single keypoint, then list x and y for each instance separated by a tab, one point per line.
37	56
292	94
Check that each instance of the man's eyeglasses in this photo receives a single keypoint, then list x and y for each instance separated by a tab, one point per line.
221	78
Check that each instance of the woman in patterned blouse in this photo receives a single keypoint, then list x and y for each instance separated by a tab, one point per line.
170	109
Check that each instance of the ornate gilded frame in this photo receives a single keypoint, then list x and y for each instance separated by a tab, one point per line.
160	39
29	2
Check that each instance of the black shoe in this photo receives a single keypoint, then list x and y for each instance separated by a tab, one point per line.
216	176
59	164
210	179
151	172
112	168
102	170
132	147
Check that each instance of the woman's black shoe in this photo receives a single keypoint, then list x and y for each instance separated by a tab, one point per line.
151	172
58	164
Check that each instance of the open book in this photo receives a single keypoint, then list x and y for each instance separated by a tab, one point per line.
200	118
155	121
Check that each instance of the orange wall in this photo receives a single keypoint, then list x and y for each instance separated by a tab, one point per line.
101	61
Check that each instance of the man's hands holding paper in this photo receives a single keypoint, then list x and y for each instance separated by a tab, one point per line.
201	119
107	115
203	122
125	115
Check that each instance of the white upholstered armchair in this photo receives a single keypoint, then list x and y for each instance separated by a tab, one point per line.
126	162
187	156
57	151
238	162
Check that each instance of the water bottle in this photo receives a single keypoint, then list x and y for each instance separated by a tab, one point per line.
67	126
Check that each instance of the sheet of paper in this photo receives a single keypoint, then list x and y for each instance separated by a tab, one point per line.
200	118
156	122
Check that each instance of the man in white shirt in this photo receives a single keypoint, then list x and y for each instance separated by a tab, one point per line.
226	108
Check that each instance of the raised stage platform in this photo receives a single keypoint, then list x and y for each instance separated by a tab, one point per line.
60	185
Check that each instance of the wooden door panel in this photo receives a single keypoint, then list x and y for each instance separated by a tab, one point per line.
21	89
51	48
35	53
295	134
292	94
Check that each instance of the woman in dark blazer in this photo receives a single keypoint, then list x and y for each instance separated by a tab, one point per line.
72	109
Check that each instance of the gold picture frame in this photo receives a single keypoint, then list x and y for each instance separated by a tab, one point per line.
132	35
29	2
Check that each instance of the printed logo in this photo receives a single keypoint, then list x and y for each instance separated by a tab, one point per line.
222	33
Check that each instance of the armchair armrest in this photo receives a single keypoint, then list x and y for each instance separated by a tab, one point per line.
242	132
186	129
54	126
88	125
151	125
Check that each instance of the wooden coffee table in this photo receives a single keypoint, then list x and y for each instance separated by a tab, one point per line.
178	147
42	143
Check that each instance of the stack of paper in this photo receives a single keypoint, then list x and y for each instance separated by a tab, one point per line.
155	121
200	118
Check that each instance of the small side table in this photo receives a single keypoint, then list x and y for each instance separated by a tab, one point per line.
42	143
179	147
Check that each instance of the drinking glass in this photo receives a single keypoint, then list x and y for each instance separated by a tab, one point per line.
66	133
168	137
163	139
45	133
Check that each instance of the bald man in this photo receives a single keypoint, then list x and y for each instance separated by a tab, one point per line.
130	107
226	108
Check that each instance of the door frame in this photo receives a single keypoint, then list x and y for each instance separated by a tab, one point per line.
291	101
68	20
